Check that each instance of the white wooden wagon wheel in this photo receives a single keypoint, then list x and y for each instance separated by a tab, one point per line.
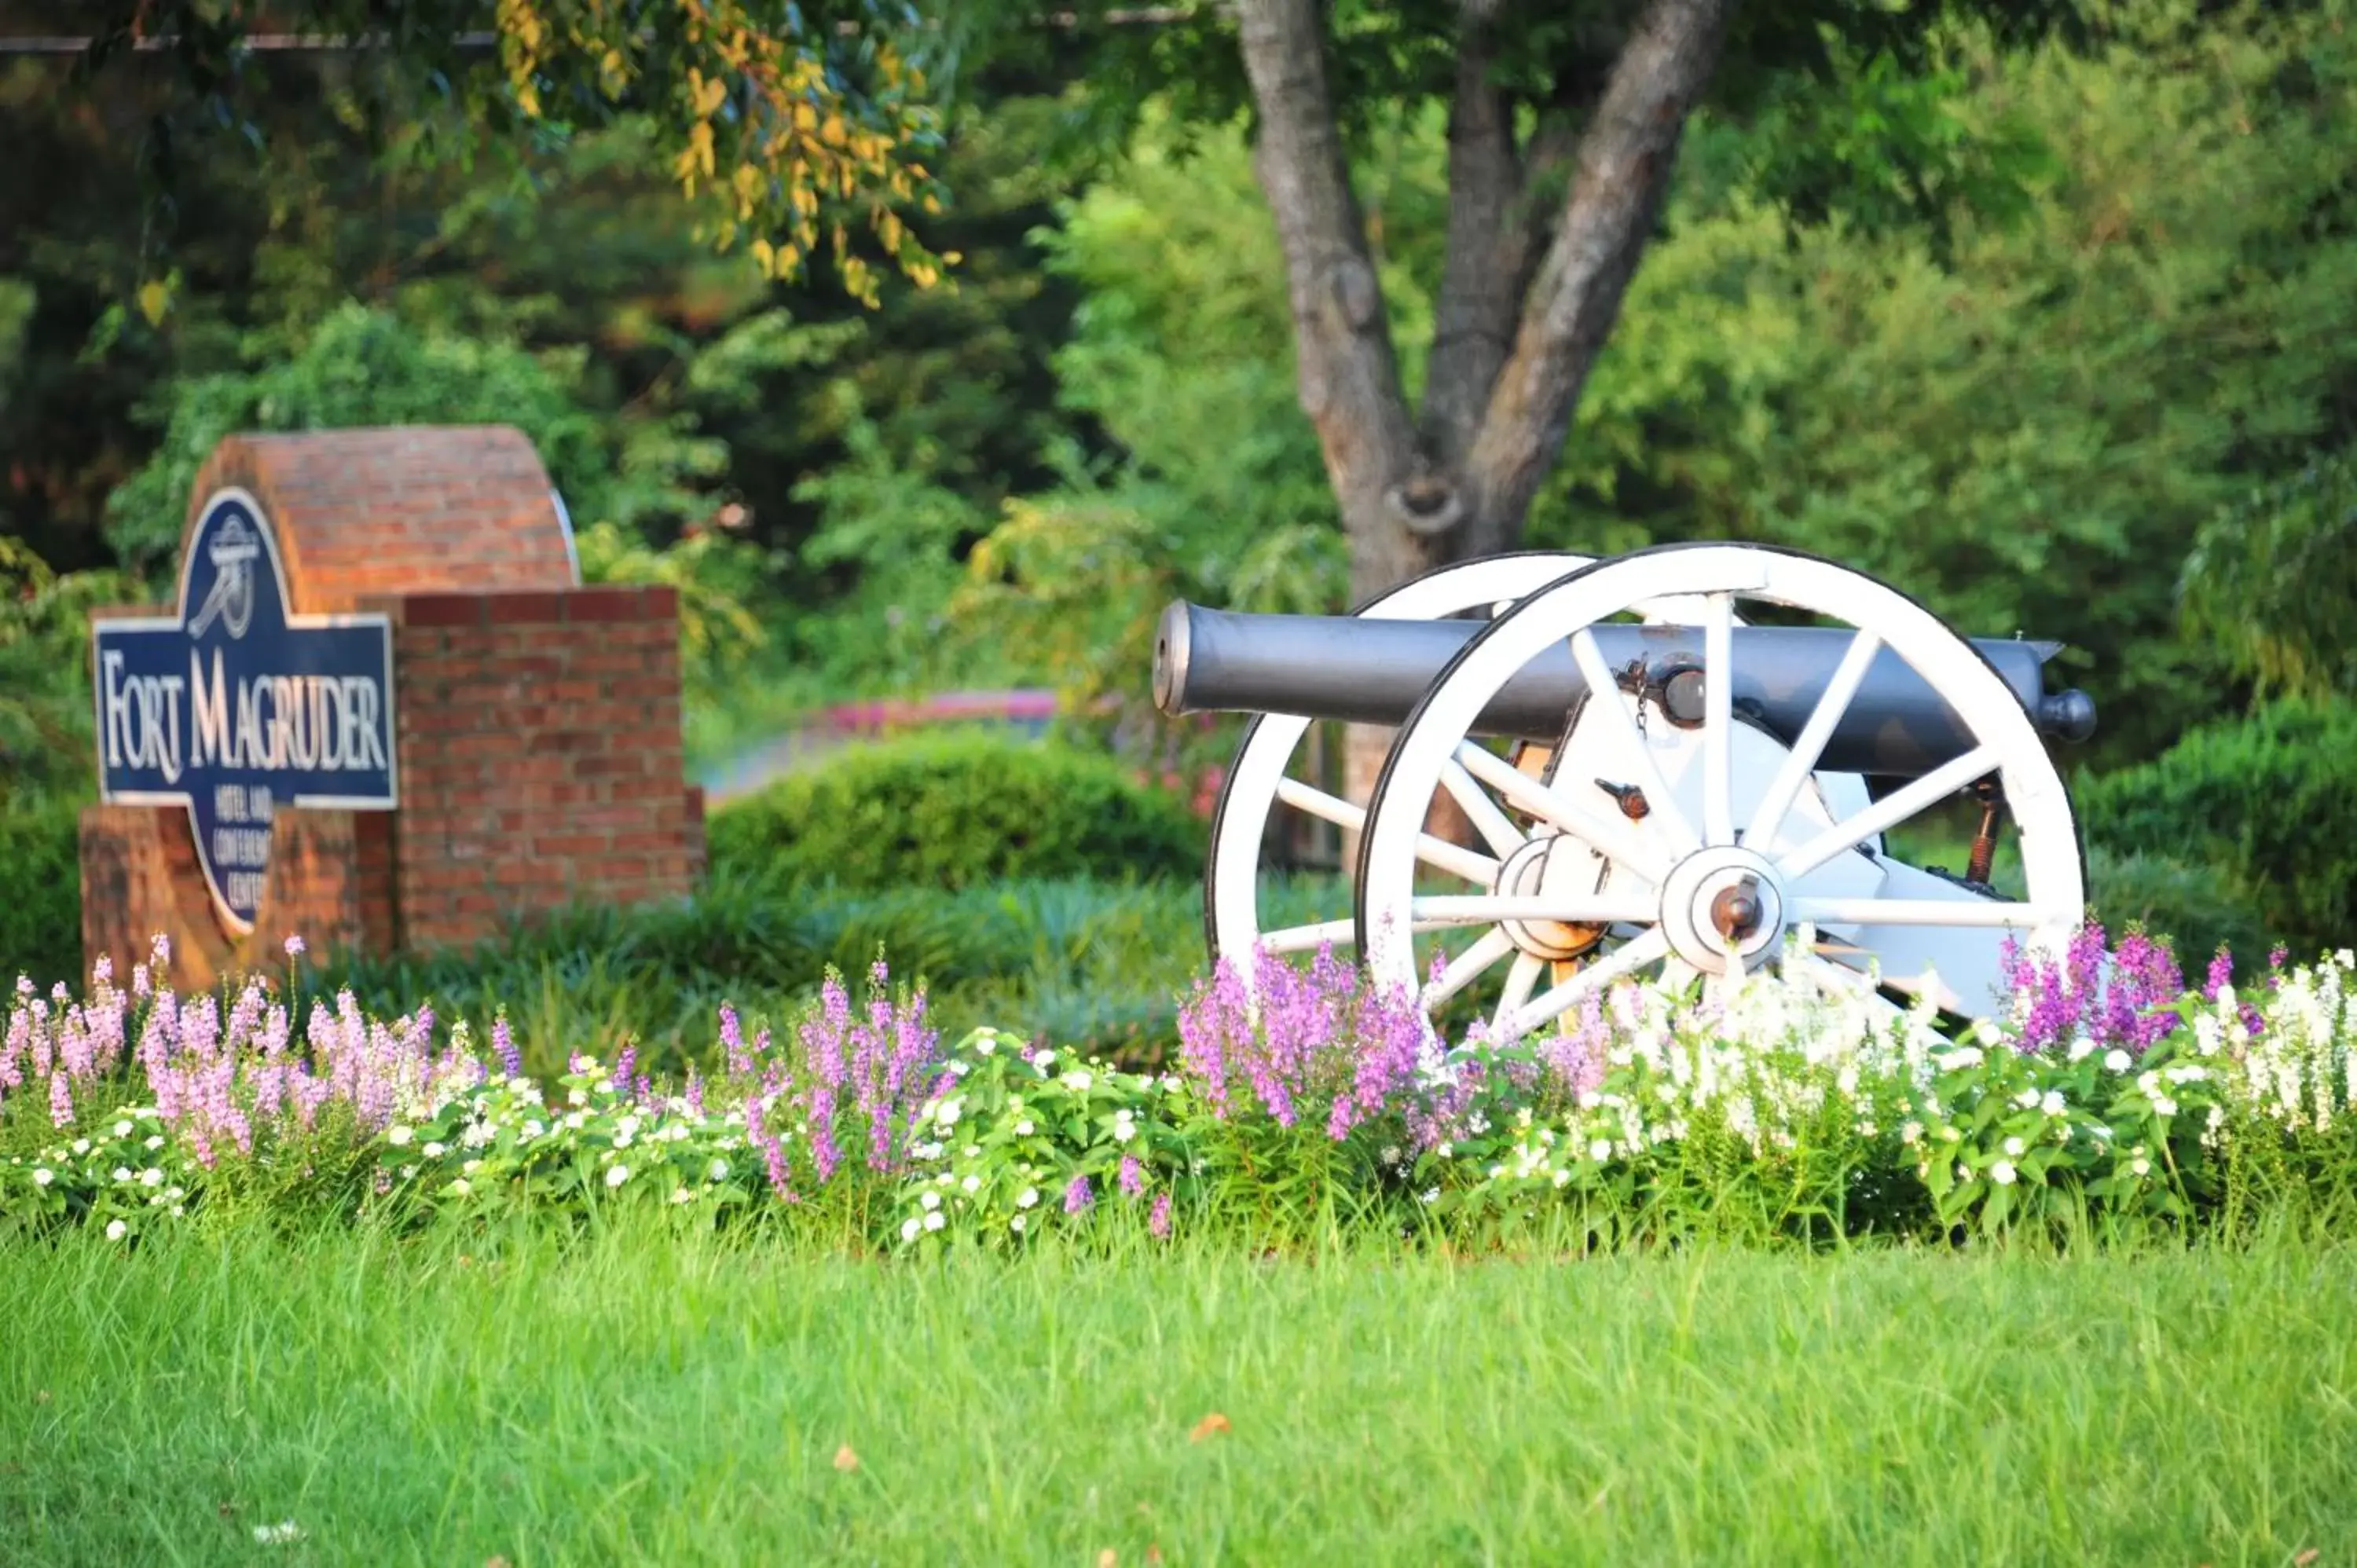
1258	783
1697	848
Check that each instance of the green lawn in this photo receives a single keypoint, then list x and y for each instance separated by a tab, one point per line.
658	1400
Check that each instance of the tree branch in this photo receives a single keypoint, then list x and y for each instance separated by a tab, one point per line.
1348	373
1625	161
1488	250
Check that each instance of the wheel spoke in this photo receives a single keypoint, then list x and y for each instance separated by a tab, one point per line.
1971	912
1467	967
1605	693
1520	979
1571	909
1309	938
1470	865
1802	760
1593	828
1631	956
1495	827
1892	809
1718	721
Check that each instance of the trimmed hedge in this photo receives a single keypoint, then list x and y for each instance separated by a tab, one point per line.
957	810
2269	802
40	888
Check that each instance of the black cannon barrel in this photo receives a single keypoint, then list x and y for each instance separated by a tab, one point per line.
1375	671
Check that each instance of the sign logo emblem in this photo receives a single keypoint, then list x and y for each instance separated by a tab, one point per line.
238	710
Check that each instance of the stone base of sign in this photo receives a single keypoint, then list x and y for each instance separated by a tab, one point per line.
536	722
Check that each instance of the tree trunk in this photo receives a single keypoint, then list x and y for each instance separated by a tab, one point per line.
1625	160
1511	349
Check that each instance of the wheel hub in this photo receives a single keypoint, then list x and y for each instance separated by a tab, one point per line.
1551	863
1723	910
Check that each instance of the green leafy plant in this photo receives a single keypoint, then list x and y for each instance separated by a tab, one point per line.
2269	800
957	810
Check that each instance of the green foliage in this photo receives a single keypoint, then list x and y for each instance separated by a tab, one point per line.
2271	579
40	883
364	367
2268	801
790	128
2198	905
2028	433
956	812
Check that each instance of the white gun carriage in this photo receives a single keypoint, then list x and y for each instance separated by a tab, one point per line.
1685	792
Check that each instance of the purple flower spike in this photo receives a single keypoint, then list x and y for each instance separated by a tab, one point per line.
1077	1196
1158	1222
1133	1176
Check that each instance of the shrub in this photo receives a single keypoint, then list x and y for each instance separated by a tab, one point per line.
41	886
955	812
2196	906
2268	801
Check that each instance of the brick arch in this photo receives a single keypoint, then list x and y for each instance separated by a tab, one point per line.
401	509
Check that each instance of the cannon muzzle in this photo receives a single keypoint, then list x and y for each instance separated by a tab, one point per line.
1375	671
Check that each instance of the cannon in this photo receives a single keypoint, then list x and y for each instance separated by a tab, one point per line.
1672	762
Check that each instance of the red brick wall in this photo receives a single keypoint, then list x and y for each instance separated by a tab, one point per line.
397	511
540	757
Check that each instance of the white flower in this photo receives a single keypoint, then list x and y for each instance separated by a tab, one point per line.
1123	1131
909	1229
2014	1147
1079	1080
949	1112
935	1220
114	1229
156	1142
1023	1128
461	1186
1391	1153
432	1151
622	1140
151	1176
2163	1106
2141	1167
1911	1132
972	1184
1600	1150
2081	1047
2053	1104
716	1171
122	1129
2026	1099
283	1533
617	1176
930	1201
534	1129
1019	1222
43	1175
1027	1198
82	1146
123	1173
2117	1059
680	1195
2002	1173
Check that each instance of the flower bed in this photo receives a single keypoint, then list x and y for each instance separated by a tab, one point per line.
1782	1109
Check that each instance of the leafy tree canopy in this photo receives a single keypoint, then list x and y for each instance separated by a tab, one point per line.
798	125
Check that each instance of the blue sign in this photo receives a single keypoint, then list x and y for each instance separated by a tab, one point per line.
238	710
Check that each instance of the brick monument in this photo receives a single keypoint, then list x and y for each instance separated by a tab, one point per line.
385	713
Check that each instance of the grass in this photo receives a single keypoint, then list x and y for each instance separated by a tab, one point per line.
673	1399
